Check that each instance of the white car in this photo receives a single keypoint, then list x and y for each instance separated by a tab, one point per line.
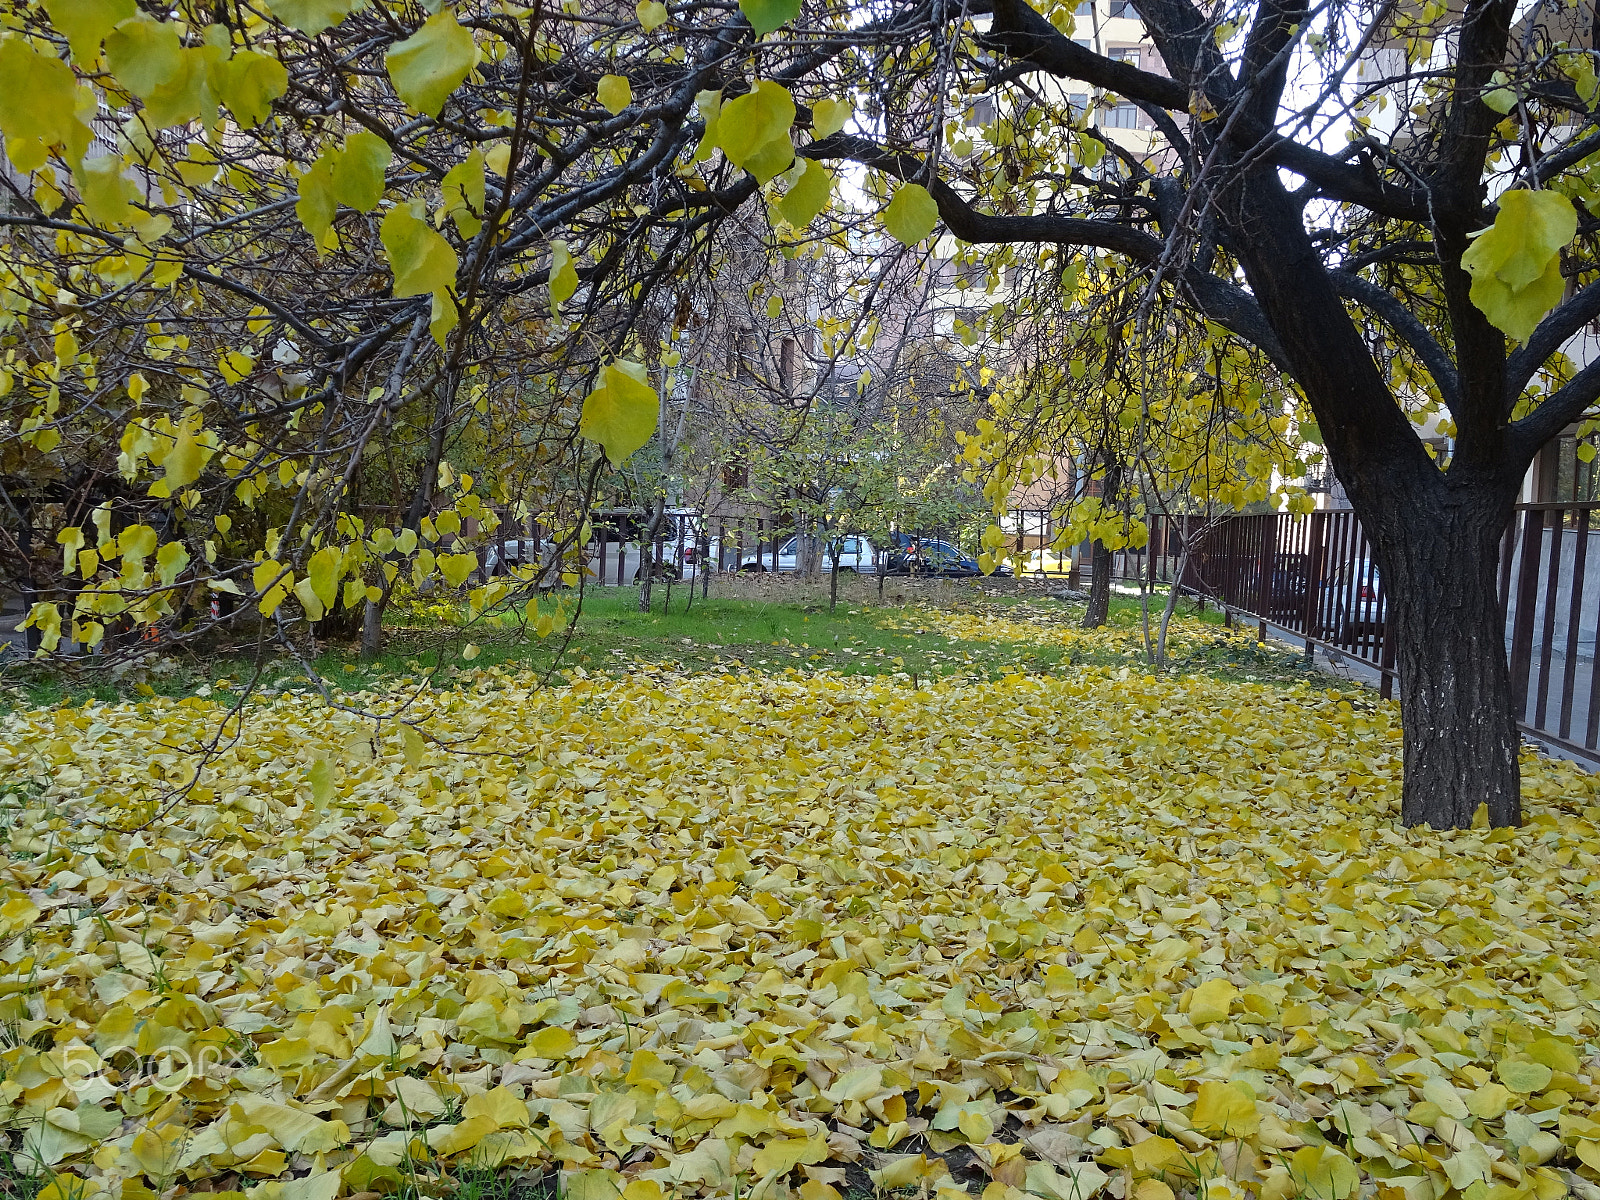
603	569
856	555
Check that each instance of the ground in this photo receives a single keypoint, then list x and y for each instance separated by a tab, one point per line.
1059	927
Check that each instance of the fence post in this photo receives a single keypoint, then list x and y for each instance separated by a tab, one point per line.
1319	525
1527	602
1266	558
1386	658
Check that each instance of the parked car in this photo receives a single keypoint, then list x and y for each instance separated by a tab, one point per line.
1289	586
857	555
1358	602
934	556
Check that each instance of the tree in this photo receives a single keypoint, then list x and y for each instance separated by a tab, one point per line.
1104	426
1436	263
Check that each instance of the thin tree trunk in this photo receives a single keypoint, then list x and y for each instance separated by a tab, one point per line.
1166	614
647	564
1098	610
372	629
1099	606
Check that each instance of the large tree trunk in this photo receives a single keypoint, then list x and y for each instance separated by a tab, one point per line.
1435	534
1438	560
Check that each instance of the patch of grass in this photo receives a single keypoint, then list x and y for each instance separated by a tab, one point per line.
717	633
712	633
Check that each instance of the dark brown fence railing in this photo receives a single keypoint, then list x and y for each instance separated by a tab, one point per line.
1315	579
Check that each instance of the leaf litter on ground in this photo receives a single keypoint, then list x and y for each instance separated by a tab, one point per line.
1096	932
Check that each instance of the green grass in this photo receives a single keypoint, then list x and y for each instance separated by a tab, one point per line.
711	633
707	634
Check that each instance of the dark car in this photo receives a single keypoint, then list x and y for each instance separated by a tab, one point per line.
1289	586
933	557
1359	607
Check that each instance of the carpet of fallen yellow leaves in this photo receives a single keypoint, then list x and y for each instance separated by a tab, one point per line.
742	934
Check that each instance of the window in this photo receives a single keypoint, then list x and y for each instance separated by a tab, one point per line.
1084	9
1078	100
851	546
1122	8
1124	54
1123	116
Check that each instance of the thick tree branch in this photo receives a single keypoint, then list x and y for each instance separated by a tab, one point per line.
1404	322
1224	302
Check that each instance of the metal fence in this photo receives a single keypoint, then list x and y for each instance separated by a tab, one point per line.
1315	579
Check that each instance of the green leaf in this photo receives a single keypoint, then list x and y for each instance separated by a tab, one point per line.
445	316
911	214
249	83
456	567
358	171
652	14
86	23
1525	1076
313	16
187	92
614	92
563	275
766	15
753	130
320	777
1515	264
463	194
621	413
316	206
38	106
1502	100
421	259
829	116
431	63
144	54
323	570
106	192
808	196
171	559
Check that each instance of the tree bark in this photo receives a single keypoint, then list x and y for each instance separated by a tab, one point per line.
1099	607
1098	611
1438	564
372	628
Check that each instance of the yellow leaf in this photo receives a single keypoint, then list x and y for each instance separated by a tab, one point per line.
621	413
313	16
911	214
614	93
1226	1109
753	130
1516	263
1211	1001
647	1070
429	65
